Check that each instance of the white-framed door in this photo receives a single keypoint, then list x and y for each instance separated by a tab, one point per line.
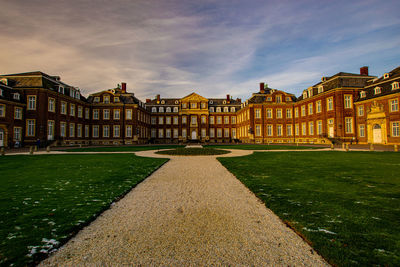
194	135
2	136
377	134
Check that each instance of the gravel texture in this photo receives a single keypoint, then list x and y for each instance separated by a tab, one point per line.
192	211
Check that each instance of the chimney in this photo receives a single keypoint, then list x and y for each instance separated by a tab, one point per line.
364	70
262	88
123	88
228	98
158	99
148	100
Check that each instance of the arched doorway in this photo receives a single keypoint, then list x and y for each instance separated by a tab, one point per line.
194	135
2	136
377	134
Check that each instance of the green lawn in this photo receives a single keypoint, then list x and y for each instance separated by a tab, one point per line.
193	152
262	147
45	199
120	148
347	204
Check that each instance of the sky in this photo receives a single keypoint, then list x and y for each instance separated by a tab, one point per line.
211	47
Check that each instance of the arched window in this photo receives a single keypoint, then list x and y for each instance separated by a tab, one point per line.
211	109
233	109
218	109
161	109
176	109
168	109
153	109
226	109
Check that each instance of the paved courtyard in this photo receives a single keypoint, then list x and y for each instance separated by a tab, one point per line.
192	211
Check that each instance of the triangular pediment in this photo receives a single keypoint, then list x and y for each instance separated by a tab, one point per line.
193	97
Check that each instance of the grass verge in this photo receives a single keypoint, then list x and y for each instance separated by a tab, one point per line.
193	152
347	205
120	148
45	199
263	147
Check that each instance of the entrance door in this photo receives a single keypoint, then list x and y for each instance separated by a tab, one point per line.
377	134
331	132
1	137
194	135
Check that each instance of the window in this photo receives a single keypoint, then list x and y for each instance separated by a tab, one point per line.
161	109
51	105
193	120
2	110
395	85
310	92
304	94
211	109
311	128
116	130
233	120
160	120
257	113
17	133
63	109
153	133
184	134
218	109
269	98
106	131
310	108
176	134
31	102
348	101
203	105
377	90
303	111
203	132
116	99
362	94
349	125
219	120
1	92
304	128
63	129
226	132
278	99
160	133
297	129
71	129
95	130
279	130
176	120
203	119
16	96
288	113
193	105
184	105
30	127
226	109
106	99
219	132
153	120
394	105
72	109
128	131
319	127
386	75
168	109
80	111
116	114
50	130
79	130
258	130
129	114
167	120
184	120
96	99
17	113
212	120
361	130
296	112
233	109
318	106
269	113
396	129
95	114
86	131
288	130
176	109
329	103
320	89
360	111
153	109
212	132
226	119
106	114
270	130
234	133
279	113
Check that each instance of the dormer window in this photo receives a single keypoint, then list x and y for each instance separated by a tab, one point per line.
320	89
96	99
211	109
106	99
362	94
224	102
218	109
1	92
203	105
395	85
304	94
226	109
323	79
168	109
176	102
386	75
269	98
154	109
288	99
163	102
61	89
193	105
77	95
176	109
71	92
16	96
310	92
233	109
211	102
278	99
116	99
161	109
377	90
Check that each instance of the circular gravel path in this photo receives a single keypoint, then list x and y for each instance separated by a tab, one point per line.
192	211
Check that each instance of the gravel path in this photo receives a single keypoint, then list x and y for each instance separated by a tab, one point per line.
192	211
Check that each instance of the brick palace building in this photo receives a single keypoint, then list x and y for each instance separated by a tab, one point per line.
346	107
